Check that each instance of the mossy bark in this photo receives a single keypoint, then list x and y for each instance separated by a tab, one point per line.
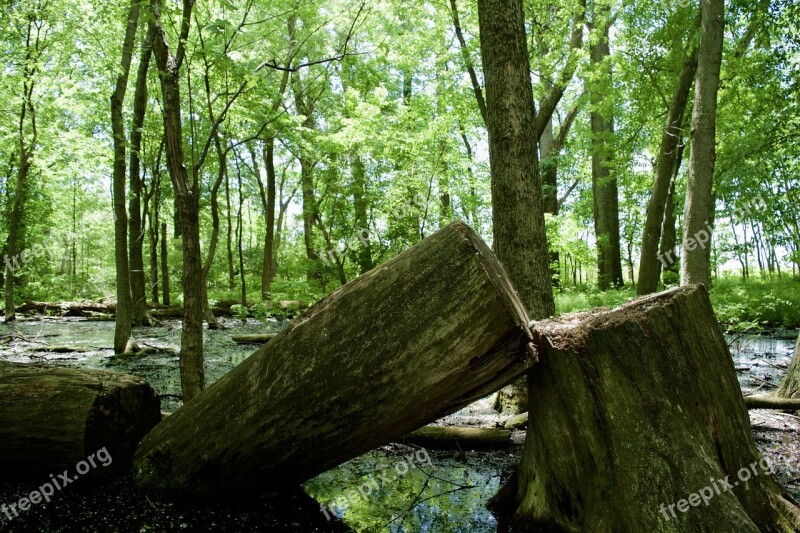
419	337
53	418
632	411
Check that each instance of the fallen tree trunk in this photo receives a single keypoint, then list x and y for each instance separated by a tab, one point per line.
53	418
772	402
459	438
636	419
421	336
253	339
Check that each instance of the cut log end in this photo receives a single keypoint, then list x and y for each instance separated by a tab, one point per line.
631	411
53	418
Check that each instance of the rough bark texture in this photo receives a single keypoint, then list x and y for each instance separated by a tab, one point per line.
651	262
459	438
53	418
633	410
187	193
520	241
699	207
790	386
605	193
419	337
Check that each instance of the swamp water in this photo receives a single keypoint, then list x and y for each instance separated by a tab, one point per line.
394	488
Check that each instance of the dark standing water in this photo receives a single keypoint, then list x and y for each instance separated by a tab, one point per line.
395	488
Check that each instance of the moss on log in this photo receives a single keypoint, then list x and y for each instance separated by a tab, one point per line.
633	411
52	418
421	336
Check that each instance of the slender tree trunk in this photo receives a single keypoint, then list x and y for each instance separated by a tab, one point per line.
361	206
669	239
605	195
650	263
135	225
520	241
164	265
229	228
212	321
187	193
124	315
268	268
239	231
699	207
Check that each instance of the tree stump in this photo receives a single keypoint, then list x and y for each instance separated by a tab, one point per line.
53	418
636	418
421	336
790	385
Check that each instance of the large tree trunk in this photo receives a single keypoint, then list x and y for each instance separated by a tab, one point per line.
53	418
650	262
325	390
520	241
122	331
632	411
269	198
187	192
699	208
605	193
136	227
790	386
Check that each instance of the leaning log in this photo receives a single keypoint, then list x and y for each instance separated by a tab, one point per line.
422	336
53	418
636	423
459	438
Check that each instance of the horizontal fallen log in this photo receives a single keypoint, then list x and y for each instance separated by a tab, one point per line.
60	349
52	418
253	339
771	402
459	438
421	336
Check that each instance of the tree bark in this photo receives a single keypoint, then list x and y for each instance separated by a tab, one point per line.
52	418
650	262
617	434
307	401
699	208
605	193
187	193
520	240
790	385
122	330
